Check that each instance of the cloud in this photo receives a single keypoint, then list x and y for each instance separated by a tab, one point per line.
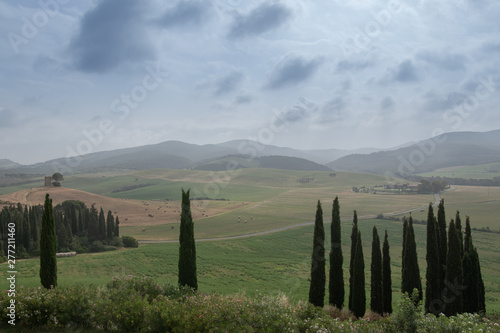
111	34
184	13
387	103
243	99
433	102
405	72
265	17
9	118
332	110
446	61
353	65
228	83
292	69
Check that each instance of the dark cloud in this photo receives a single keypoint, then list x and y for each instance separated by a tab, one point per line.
267	16
292	69
185	13
387	103
110	34
298	112
228	83
433	102
446	61
243	99
353	65
332	110
405	72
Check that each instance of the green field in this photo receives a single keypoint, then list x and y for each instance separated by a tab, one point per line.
267	199
270	264
482	171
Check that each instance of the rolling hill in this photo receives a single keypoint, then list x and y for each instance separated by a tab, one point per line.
448	150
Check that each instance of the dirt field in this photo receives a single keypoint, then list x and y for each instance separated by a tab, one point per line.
130	212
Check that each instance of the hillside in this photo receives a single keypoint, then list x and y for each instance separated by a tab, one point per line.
266	162
452	149
8	164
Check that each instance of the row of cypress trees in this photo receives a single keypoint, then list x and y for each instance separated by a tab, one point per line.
453	279
381	283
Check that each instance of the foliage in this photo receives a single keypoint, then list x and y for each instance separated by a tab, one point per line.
318	274
432	291
410	275
187	247
454	274
358	281
376	289
386	276
139	304
129	241
336	283
48	247
354	238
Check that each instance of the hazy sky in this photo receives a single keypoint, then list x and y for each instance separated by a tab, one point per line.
85	76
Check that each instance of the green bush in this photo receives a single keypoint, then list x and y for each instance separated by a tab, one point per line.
129	241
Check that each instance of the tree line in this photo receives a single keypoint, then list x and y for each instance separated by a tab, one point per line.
453	280
78	228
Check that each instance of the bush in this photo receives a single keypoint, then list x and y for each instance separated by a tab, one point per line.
117	242
129	241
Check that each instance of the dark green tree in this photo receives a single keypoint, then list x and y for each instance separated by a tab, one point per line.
48	247
318	274
376	288
336	283
187	246
454	274
386	276
354	238
102	225
358	280
442	243
110	226
117	227
93	224
410	277
458	227
432	291
473	295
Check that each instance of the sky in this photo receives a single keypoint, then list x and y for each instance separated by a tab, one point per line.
78	77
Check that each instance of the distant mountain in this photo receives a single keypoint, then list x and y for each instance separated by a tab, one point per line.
451	149
8	164
273	162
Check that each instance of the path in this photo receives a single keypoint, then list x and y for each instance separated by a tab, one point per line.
436	196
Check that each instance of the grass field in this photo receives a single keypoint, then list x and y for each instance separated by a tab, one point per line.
482	171
269	264
266	199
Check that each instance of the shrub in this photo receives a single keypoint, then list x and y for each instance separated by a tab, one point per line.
117	242
129	241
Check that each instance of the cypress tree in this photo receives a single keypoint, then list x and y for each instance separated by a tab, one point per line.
454	275
187	247
336	283
386	276
110	226
442	244
410	277
458	227
358	280
354	238
376	289
473	294
48	247
117	227
405	230
318	278
432	291
102	226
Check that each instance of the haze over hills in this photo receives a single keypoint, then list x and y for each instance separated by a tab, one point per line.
451	149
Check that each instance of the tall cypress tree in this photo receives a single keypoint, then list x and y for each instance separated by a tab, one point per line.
358	280
102	225
354	238
376	289
442	243
410	277
454	275
117	227
110	226
473	295
336	283
432	291
318	274
48	247
187	247
458	227
386	276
